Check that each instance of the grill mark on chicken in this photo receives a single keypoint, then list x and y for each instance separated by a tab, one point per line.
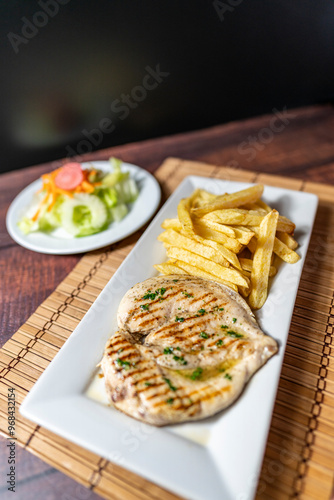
197	321
120	342
167	371
150	322
149	387
158	395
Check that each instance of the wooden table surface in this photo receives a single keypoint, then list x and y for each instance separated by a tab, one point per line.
295	143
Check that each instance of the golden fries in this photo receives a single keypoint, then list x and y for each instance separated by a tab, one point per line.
184	216
179	267
247	265
172	238
284	252
208	233
169	267
222	272
235	239
288	240
248	195
262	260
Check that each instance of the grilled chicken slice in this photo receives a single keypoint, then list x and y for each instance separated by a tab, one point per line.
185	348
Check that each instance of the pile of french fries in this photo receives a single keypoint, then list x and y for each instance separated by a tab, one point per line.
235	239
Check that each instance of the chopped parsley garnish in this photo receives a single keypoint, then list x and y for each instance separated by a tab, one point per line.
171	386
170	401
148	384
196	374
124	364
180	320
234	334
202	311
175	281
204	335
144	307
177	348
234	320
221	309
179	308
168	350
180	359
188	295
224	326
228	376
152	295
120	350
190	401
219	342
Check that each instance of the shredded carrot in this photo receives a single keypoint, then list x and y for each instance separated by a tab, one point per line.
35	217
45	199
53	191
87	186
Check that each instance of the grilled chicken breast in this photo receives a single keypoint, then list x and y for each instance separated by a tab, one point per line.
185	349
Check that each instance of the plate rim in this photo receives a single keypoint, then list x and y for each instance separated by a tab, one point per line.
20	239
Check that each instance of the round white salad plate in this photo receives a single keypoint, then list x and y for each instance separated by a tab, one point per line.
60	242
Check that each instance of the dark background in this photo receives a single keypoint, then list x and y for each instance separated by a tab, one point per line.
225	60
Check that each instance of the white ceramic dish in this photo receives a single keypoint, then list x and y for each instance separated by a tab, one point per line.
60	243
217	458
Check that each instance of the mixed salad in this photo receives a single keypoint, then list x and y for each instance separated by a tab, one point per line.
82	201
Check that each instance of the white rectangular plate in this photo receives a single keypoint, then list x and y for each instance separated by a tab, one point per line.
216	458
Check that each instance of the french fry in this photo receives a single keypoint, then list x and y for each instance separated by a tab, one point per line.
203	197
244	291
228	254
222	272
226	216
210	234
255	208
247	265
262	204
210	222
287	239
240	216
172	224
248	195
252	245
262	260
220	228
284	252
283	224
243	234
172	238
169	267
184	216
196	271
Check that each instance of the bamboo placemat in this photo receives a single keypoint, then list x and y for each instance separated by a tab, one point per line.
299	458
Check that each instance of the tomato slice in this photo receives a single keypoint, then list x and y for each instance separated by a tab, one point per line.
69	177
